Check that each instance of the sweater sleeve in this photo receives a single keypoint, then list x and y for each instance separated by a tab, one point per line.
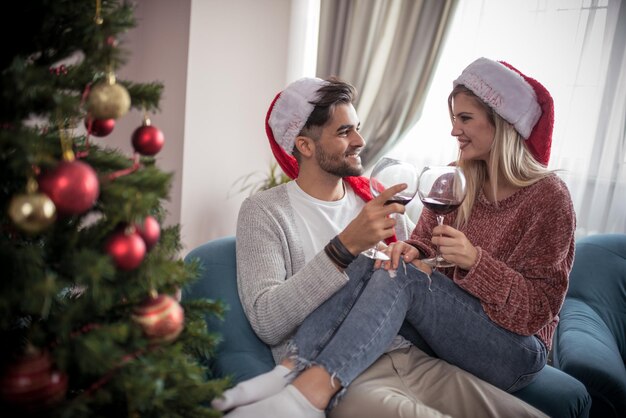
275	300
420	237
525	292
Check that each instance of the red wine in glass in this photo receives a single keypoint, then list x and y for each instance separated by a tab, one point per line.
441	206
401	200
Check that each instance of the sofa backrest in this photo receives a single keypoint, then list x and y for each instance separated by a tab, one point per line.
598	279
240	355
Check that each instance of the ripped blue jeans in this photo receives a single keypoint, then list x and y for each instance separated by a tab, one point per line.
349	331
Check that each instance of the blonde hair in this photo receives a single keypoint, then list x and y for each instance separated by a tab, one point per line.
509	156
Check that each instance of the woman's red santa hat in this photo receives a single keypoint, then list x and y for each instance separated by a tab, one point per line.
520	100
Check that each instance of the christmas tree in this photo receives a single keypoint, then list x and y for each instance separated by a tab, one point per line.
90	324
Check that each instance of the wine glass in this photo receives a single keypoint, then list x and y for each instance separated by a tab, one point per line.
386	173
441	189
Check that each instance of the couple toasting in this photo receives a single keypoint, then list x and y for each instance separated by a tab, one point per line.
345	330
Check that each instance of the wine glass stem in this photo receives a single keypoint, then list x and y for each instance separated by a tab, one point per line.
376	250
439	256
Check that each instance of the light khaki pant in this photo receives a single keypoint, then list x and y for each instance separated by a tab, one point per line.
407	383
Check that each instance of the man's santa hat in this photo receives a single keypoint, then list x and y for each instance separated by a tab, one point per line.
287	115
520	100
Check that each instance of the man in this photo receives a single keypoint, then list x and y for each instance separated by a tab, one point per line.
287	268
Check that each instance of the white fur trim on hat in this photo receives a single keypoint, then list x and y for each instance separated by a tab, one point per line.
503	90
292	109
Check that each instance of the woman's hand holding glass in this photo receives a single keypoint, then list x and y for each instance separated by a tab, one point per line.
442	190
454	246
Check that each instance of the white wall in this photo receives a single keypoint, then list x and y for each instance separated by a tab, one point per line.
221	61
237	63
158	52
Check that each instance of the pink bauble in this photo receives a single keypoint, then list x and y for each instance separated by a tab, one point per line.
72	186
150	231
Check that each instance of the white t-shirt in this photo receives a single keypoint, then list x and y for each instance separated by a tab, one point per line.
318	221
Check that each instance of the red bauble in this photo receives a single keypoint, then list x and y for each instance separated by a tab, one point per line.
111	41
161	318
147	140
30	384
73	186
150	231
100	127
127	248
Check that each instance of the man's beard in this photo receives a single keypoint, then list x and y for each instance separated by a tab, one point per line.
337	165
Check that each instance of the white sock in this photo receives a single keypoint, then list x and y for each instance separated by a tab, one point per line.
255	389
288	403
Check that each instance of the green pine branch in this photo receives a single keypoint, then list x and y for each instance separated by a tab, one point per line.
60	290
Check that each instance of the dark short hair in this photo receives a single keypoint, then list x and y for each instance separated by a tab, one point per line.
335	92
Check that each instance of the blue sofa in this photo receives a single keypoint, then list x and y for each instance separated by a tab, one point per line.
590	341
241	355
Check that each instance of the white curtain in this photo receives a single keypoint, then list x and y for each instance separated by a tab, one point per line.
576	48
601	188
388	51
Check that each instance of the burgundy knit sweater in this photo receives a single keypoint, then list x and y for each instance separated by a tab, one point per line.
525	253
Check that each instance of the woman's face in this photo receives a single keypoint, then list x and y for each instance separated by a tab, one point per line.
472	128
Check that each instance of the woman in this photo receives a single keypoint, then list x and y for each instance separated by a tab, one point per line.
512	241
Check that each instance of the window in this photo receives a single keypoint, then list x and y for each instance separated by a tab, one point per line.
565	44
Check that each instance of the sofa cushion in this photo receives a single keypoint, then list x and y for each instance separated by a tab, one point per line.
557	394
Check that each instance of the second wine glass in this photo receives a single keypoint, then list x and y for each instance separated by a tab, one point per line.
386	173
441	189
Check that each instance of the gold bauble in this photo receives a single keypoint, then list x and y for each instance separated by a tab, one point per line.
108	101
32	212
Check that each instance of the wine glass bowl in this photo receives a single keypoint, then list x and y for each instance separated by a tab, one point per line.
386	173
441	189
